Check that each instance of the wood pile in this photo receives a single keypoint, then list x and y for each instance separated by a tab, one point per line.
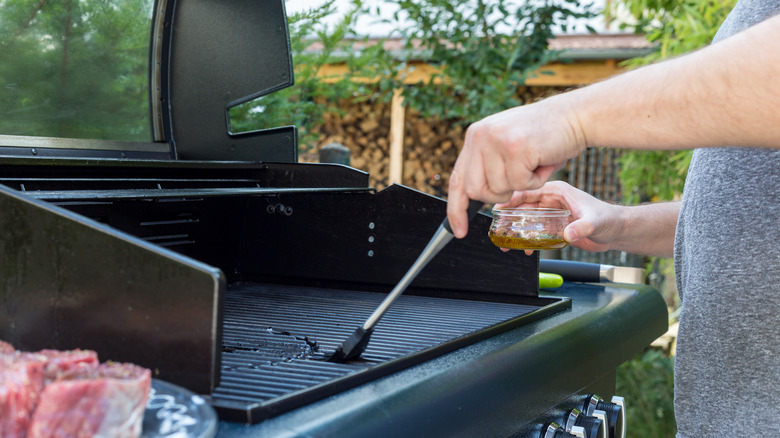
430	146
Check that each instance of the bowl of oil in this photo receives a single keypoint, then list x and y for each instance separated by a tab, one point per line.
529	228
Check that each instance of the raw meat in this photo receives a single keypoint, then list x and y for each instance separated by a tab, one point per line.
5	347
63	362
105	401
55	393
21	375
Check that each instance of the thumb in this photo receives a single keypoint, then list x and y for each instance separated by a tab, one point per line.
578	230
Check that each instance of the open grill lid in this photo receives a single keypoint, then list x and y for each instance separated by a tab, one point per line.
204	59
209	57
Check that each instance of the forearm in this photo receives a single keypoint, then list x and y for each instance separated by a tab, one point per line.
648	229
725	94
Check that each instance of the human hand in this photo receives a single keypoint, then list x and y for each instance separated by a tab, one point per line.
595	223
516	149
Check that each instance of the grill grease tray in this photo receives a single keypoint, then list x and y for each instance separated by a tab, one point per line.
276	337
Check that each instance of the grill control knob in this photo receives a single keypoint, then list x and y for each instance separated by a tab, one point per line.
553	430
620	429
615	413
585	426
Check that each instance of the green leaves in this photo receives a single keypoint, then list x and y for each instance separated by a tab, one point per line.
485	50
647	383
677	26
75	68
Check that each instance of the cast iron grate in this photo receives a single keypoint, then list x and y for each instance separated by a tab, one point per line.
275	339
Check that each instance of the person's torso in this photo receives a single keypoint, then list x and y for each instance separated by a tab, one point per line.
727	262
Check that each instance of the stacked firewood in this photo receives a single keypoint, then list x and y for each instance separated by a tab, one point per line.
430	146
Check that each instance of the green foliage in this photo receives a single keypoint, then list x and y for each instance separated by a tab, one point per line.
653	176
647	383
677	27
75	69
484	50
305	103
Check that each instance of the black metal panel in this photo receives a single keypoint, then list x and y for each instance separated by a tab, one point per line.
52	174
69	282
91	153
222	54
351	238
371	240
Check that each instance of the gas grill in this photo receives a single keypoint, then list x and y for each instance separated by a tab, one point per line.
226	267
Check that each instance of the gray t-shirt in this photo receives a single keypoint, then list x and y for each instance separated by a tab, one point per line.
727	262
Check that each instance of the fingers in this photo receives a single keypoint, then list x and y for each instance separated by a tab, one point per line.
457	204
548	196
493	163
517	149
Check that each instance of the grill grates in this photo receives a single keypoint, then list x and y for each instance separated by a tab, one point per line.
276	337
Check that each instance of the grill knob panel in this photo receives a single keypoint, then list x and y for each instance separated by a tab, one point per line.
602	417
592	417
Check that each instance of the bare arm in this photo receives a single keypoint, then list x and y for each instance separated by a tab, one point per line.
725	94
648	229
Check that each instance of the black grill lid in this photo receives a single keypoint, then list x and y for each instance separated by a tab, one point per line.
209	56
205	57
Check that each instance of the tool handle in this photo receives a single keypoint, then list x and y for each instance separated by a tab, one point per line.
549	281
571	270
474	207
439	240
442	236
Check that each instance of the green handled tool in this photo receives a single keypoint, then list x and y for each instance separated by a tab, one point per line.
549	281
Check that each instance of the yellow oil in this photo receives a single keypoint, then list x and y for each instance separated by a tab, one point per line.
512	242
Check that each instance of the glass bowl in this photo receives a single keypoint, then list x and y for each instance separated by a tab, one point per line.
529	228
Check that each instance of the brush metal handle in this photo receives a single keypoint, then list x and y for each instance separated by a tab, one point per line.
439	240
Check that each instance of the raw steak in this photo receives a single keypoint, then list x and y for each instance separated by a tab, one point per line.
63	362
5	347
21	382
105	401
